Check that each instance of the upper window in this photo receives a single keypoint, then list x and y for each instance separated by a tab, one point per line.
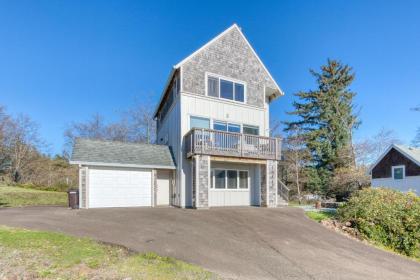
223	126
398	172
197	122
222	88
249	129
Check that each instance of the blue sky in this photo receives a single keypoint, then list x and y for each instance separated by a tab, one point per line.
62	61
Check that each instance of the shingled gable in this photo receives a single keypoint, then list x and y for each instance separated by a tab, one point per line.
272	93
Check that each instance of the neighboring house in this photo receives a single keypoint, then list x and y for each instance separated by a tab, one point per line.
398	168
213	116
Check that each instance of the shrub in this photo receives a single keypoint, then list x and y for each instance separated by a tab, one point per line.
57	187
388	217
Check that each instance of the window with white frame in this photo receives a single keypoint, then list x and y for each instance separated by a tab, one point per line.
225	89
229	179
224	126
398	172
199	122
250	129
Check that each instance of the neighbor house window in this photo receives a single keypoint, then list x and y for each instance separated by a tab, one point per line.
222	88
229	179
398	172
197	122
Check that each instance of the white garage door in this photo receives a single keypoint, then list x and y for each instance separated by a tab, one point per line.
111	187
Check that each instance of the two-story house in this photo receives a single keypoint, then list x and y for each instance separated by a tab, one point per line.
213	118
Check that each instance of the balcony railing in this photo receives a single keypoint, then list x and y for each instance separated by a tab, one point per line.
221	143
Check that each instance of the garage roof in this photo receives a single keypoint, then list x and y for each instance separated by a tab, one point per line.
115	153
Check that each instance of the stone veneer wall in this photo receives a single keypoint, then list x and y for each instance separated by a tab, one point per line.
229	56
263	181
269	184
272	183
201	167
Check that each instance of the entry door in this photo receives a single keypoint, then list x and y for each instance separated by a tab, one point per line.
163	187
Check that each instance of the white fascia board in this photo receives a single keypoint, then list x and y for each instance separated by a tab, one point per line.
90	163
162	95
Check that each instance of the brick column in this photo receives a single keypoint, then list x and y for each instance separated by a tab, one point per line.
201	181
269	184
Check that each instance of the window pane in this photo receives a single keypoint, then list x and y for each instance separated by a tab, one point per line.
239	92
213	87
196	122
212	179
232	179
248	129
219	177
220	126
226	89
234	128
398	173
243	179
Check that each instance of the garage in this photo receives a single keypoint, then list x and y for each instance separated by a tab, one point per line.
118	174
112	187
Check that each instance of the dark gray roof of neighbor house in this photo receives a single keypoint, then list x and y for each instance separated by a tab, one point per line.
114	153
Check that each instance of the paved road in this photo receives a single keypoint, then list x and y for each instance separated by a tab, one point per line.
237	243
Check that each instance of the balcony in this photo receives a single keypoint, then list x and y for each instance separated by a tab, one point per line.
200	141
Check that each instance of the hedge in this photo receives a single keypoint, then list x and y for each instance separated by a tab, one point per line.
388	217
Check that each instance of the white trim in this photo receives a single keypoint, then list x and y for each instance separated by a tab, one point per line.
212	121
247	42
87	202
152	186
222	100
398	166
205	45
91	163
219	78
162	95
387	151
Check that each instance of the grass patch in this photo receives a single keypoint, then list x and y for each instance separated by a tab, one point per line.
48	255
16	197
321	215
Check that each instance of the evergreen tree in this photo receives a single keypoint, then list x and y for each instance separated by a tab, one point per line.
326	120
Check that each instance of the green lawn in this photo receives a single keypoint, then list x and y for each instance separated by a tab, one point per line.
320	215
16	197
26	254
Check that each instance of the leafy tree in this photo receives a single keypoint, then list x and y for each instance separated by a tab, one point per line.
134	125
296	156
326	119
370	149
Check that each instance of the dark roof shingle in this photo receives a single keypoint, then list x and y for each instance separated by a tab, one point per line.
90	151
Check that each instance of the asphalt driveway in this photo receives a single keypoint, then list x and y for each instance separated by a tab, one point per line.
238	243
